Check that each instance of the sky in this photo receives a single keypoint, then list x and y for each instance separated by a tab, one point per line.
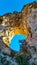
15	42
8	6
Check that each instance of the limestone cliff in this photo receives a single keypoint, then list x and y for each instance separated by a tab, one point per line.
24	22
11	24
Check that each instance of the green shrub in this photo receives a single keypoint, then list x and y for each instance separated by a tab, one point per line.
21	60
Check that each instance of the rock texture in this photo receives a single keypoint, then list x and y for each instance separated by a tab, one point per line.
25	23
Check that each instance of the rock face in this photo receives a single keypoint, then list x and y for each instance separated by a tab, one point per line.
6	60
25	23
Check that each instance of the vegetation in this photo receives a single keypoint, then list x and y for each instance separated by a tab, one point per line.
21	59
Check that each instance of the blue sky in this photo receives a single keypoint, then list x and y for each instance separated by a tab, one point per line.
7	6
15	44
